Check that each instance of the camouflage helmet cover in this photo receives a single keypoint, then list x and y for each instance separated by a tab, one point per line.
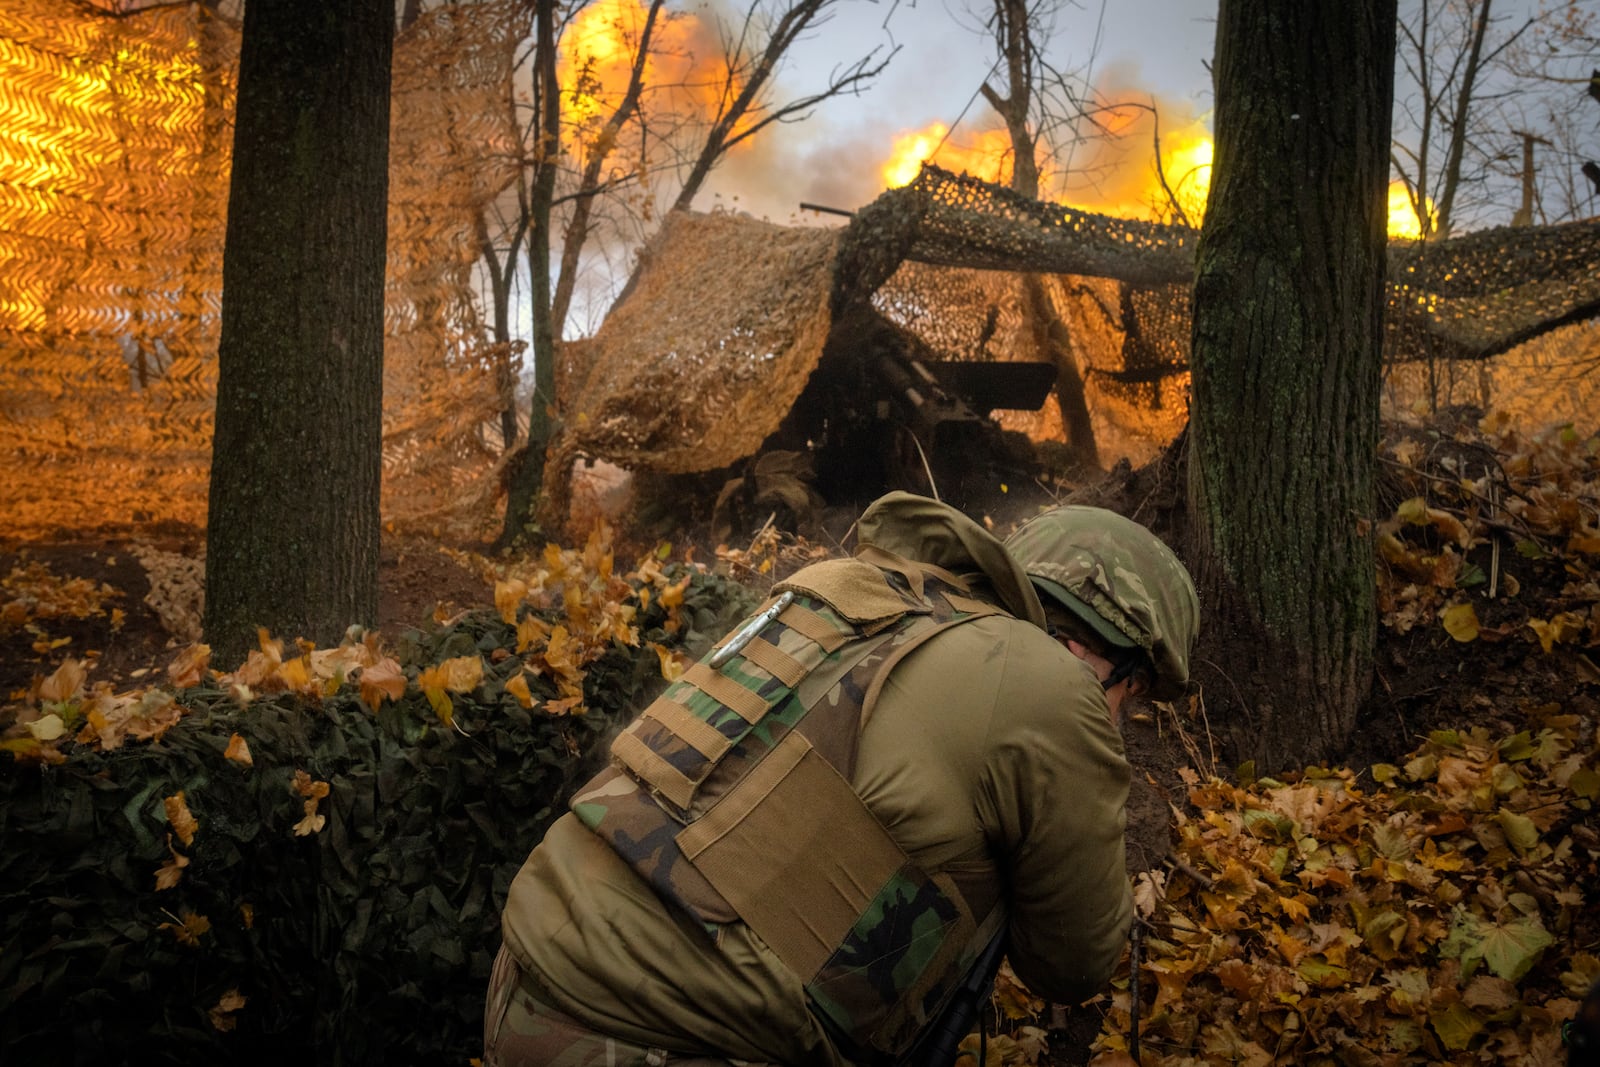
1120	580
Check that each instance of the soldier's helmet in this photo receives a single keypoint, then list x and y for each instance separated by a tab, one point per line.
1120	580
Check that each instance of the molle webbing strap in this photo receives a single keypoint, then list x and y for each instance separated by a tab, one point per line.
700	735
747	704
676	745
652	769
807	623
775	661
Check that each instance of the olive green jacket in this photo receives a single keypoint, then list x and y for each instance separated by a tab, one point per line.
990	756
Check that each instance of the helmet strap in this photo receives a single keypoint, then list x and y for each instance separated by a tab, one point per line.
1122	670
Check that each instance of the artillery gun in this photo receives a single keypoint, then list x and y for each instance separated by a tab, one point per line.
881	411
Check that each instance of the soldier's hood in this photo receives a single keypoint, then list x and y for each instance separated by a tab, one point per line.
918	528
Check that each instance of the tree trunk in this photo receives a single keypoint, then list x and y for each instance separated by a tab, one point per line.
1013	34
1459	133
1288	305
292	537
604	143
501	276
1053	342
526	478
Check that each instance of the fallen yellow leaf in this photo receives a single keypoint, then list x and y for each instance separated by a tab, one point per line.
184	824
312	823
189	929
222	1012
188	668
517	686
672	664
170	873
65	682
47	727
508	597
1460	622
383	679
239	751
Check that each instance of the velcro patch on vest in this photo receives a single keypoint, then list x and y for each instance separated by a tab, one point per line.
854	589
795	852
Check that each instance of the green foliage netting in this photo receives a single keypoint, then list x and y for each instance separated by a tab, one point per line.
370	941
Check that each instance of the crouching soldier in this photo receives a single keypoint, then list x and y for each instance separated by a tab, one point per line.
801	847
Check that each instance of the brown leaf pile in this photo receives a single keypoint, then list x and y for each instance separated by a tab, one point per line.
1490	503
32	595
1429	917
599	604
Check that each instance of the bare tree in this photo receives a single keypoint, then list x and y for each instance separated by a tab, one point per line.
744	106
596	152
1556	67
1450	122
1038	103
751	57
525	476
502	278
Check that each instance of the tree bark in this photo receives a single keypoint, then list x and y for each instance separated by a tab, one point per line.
1287	334
1458	129
292	537
1053	342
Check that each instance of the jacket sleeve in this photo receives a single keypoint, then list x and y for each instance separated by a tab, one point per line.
1052	799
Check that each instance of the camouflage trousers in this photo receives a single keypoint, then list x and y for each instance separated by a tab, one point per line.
521	1030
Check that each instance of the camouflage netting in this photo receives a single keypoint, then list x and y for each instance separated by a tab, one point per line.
964	222
364	938
1553	379
115	143
725	323
1130	345
941	257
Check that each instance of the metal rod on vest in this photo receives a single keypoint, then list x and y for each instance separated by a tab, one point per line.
940	1046
747	633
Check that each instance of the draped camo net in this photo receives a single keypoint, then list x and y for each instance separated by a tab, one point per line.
941	257
701	361
115	140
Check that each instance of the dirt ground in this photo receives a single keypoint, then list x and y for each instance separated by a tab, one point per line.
415	578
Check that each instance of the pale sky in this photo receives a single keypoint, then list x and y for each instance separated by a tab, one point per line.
1153	46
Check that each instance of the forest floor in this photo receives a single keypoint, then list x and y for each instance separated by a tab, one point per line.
130	604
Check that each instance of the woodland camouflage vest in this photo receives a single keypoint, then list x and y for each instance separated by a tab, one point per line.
731	796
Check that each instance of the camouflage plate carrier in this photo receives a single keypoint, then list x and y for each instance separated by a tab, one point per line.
731	795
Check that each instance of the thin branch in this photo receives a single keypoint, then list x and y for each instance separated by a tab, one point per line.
1161	172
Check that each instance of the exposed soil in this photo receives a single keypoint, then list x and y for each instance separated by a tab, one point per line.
415	579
